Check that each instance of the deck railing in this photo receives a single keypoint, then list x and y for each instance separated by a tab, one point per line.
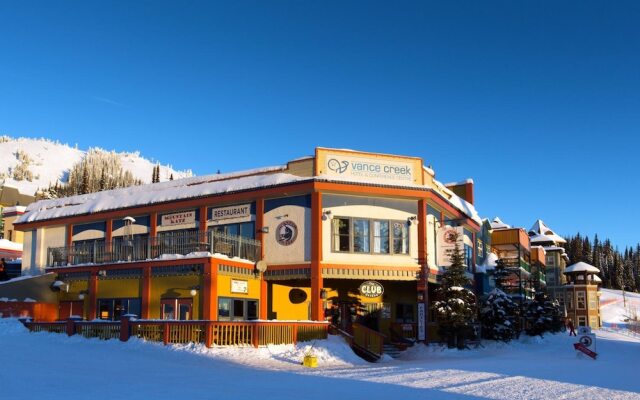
367	339
210	333
137	248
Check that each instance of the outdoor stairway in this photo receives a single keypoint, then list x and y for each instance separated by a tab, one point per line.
394	350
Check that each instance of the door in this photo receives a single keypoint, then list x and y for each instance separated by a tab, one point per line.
348	313
178	309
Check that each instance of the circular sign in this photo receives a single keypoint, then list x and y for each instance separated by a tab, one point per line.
586	340
371	289
450	236
286	233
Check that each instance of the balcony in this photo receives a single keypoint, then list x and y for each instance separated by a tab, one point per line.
148	248
511	263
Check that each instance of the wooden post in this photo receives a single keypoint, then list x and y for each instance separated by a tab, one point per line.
125	328
208	334
71	326
256	334
93	295
317	313
165	333
295	333
263	312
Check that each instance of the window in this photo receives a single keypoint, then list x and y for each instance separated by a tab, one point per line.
569	299
560	298
359	235
404	313
468	257
582	321
593	322
237	309
550	260
341	234
580	300
400	238
381	237
480	247
113	309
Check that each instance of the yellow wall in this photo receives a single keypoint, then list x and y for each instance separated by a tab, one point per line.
174	287
282	308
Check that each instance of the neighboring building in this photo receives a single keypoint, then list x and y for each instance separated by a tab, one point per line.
9	215
555	258
581	294
512	246
343	234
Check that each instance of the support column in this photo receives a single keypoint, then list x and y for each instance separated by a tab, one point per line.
210	290
108	236
317	312
68	242
93	295
423	281
264	294
145	309
202	224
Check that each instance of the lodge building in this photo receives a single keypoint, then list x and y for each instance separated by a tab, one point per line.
340	235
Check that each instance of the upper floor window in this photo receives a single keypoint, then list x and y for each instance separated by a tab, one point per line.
550	260
580	301
373	236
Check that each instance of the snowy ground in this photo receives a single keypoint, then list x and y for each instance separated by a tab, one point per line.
52	366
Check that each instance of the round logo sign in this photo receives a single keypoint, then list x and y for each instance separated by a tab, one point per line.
286	233
450	236
586	340
371	289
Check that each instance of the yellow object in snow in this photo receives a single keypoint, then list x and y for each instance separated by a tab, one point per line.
310	361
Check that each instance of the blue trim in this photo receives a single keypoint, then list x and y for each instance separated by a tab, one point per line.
93	226
302	201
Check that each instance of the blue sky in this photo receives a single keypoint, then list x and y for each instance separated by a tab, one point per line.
537	101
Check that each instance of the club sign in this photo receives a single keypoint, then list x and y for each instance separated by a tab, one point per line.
371	289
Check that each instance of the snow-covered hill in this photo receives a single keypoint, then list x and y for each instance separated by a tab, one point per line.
32	164
616	308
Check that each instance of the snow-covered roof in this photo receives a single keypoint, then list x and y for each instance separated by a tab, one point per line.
187	188
542	233
9	245
596	278
581	267
464	182
498	224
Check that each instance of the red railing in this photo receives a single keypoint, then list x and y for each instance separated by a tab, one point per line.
210	333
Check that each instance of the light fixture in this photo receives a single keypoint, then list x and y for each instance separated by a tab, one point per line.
264	229
323	294
412	220
102	272
325	215
82	294
194	290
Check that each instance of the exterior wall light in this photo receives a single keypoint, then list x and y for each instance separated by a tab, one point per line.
264	229
323	294
194	290
325	215
412	220
82	294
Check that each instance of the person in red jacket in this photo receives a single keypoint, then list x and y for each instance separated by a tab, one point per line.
3	270
571	327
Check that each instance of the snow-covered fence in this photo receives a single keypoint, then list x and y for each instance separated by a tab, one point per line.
210	333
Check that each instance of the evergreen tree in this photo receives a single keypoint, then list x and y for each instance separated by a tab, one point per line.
501	275
456	305
542	315
499	315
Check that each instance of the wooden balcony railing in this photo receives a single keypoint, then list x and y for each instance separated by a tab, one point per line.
145	248
368	340
210	333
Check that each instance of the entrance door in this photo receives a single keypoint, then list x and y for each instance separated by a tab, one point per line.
348	313
179	309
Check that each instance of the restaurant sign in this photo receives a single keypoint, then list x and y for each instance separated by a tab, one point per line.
179	218
371	289
225	215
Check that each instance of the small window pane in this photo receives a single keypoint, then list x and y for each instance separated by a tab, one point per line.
341	234
361	236
238	308
381	237
224	306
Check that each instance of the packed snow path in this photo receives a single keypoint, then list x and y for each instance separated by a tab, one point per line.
52	366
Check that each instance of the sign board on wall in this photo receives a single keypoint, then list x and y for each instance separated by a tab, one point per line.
447	242
377	168
238	286
421	321
230	214
179	218
371	289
